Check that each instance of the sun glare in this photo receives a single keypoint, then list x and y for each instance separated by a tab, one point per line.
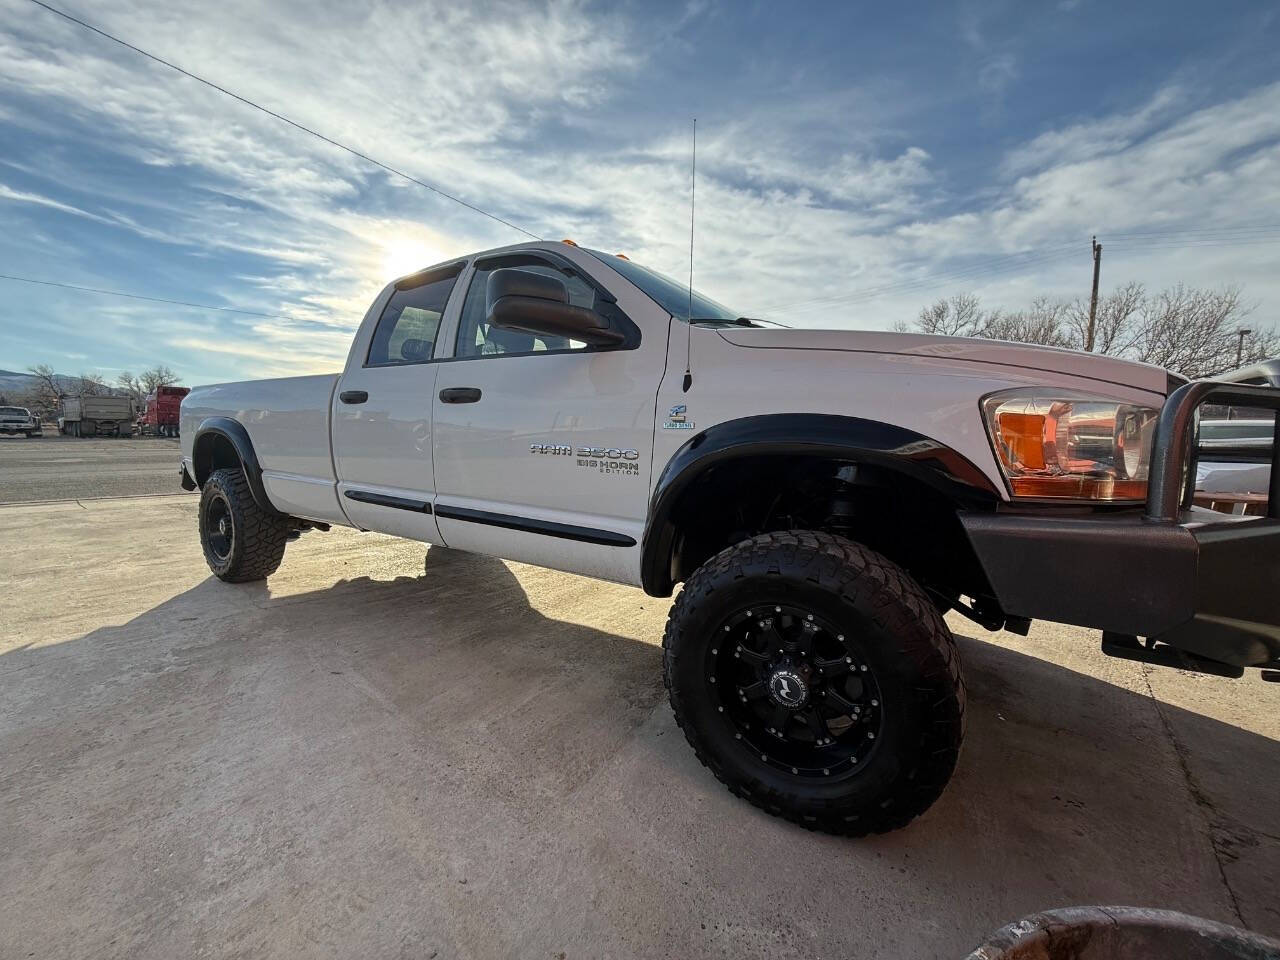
405	253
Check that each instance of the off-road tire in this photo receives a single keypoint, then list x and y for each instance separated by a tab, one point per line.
904	640
257	538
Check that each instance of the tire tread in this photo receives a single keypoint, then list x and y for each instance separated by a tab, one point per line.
853	572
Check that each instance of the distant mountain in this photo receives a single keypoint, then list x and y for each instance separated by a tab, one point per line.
14	385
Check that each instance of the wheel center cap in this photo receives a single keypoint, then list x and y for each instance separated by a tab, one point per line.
222	527
788	688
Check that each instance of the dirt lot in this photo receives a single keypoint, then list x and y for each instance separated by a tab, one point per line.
360	759
67	468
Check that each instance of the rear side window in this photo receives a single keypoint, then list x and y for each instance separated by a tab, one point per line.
410	323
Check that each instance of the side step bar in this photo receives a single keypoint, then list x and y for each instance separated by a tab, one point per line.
1128	647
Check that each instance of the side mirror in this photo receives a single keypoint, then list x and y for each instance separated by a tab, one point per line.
533	303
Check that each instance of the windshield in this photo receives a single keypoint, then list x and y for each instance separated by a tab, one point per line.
13	412
672	296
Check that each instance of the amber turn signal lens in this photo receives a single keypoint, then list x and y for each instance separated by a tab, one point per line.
1068	446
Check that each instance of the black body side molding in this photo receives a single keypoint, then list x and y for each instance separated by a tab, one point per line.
383	500
809	435
547	528
234	433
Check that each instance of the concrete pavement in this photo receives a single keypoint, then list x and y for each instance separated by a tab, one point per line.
363	758
54	467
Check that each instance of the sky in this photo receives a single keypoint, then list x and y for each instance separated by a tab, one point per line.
856	160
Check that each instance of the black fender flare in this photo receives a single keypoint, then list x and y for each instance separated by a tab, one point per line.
235	433
802	434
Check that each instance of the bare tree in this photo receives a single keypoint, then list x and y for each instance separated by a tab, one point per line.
1043	323
962	316
1113	327
1194	331
1189	330
47	387
159	376
959	316
91	385
130	384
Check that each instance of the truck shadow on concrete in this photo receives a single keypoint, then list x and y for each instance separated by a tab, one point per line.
432	763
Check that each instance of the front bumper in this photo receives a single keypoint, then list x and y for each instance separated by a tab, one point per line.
1194	579
1209	585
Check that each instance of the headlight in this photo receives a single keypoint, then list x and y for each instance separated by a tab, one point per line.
1057	443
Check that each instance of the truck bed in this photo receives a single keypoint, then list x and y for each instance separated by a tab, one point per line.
288	422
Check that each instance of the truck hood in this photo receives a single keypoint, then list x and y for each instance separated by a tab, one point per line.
1024	356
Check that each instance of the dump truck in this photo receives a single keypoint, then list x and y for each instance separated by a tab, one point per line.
96	417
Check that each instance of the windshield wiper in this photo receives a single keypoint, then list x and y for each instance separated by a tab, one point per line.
726	322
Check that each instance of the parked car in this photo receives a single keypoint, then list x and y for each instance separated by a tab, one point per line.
96	416
1233	467
159	416
16	420
823	495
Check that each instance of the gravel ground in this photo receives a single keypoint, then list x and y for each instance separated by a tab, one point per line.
66	468
363	758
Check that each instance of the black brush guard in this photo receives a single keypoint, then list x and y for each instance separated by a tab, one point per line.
1199	582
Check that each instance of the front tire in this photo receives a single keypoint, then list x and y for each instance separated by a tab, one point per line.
241	541
817	680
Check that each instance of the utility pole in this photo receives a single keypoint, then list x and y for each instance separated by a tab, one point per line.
1093	297
1242	333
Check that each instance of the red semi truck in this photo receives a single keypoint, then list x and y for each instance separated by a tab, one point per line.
161	414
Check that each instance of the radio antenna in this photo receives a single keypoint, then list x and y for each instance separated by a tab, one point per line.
688	330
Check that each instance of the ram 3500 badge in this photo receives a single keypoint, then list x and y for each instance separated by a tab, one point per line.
837	494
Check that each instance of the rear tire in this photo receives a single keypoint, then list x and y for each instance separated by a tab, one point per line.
241	541
873	735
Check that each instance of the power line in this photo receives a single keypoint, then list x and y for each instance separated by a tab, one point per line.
973	271
293	123
139	296
1222	231
1155	240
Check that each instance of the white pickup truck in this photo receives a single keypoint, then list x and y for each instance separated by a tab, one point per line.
823	495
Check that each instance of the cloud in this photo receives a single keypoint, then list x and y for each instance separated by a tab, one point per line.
19	196
530	110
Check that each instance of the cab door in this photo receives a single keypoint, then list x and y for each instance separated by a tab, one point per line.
382	410
544	445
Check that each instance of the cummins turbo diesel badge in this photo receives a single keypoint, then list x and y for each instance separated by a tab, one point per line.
677	418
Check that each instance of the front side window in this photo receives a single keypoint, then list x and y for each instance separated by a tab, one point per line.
669	294
477	338
410	322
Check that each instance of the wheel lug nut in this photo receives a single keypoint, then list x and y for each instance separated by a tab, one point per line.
875	703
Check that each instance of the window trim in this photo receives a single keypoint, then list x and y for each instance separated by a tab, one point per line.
451	271
630	331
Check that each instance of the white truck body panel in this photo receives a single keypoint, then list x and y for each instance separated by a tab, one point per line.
935	394
405	443
288	421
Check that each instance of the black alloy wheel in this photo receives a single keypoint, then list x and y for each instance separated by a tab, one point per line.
220	527
817	680
796	688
